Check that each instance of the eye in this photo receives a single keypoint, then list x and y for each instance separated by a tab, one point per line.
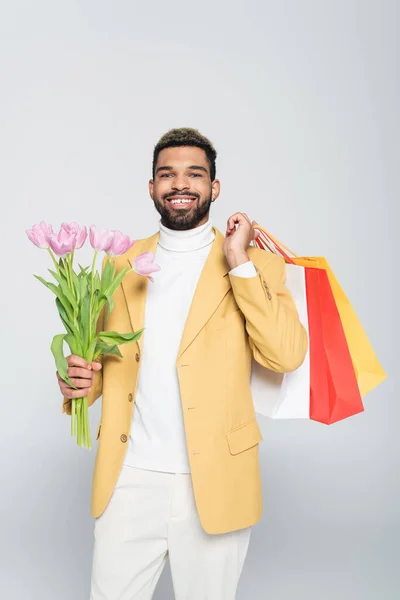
195	174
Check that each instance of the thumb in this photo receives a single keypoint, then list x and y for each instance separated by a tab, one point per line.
96	366
256	231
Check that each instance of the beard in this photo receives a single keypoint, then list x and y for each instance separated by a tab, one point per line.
182	219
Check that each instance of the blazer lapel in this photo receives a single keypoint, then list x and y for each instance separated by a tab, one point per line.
211	288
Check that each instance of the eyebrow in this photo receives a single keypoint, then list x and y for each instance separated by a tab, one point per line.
198	167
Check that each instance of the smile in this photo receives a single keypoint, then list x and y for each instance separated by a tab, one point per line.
181	201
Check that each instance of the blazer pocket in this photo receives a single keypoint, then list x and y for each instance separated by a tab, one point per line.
244	437
98	431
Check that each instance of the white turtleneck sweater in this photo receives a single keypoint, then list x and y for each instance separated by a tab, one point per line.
157	439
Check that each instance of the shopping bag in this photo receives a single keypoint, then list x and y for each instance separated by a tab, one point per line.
285	395
334	392
368	369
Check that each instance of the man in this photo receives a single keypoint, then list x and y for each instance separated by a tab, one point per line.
177	469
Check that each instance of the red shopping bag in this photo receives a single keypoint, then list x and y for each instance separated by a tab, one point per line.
334	391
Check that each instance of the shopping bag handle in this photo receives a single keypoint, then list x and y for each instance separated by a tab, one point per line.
267	240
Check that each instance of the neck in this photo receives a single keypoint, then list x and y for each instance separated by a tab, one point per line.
186	240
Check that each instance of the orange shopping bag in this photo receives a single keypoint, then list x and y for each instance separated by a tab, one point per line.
367	367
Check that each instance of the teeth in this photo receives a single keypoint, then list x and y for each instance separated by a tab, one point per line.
183	201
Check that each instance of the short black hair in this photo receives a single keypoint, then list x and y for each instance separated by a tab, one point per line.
186	136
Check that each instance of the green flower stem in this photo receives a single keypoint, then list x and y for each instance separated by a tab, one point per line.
79	409
70	268
92	295
73	417
53	258
83	424
80	422
67	272
88	441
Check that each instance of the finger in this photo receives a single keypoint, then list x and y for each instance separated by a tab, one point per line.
78	372
236	218
71	393
80	383
78	361
77	382
239	218
96	366
230	224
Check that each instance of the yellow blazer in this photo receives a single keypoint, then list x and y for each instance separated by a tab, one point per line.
230	320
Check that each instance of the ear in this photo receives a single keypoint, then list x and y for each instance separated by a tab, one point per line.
215	189
151	188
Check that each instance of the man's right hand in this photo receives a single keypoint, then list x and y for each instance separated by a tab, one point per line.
81	373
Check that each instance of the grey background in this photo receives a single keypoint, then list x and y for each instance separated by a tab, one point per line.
301	100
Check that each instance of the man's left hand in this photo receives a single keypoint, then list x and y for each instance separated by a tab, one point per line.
237	239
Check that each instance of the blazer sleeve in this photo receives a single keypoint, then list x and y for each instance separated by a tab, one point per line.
277	338
97	385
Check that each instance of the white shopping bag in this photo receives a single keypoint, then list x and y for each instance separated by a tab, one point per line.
278	395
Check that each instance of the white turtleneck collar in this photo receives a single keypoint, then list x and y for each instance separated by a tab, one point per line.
184	241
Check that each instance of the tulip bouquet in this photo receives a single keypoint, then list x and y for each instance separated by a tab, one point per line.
80	298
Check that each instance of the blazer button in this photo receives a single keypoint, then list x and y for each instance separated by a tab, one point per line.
123	438
137	357
130	397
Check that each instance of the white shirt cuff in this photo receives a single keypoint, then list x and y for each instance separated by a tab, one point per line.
246	269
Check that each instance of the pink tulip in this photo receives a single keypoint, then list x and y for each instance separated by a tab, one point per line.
100	239
63	243
144	265
80	232
38	233
119	244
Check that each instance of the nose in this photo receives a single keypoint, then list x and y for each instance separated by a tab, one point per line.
180	183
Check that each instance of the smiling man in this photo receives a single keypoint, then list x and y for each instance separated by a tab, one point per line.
184	184
177	471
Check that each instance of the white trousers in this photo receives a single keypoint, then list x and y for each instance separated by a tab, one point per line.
152	514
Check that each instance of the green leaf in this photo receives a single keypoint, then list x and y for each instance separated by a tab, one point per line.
97	281
84	286
117	280
63	316
58	292
63	266
84	321
83	269
107	276
103	348
74	345
110	301
101	301
119	338
48	284
77	286
70	326
61	361
91	350
64	301
65	289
